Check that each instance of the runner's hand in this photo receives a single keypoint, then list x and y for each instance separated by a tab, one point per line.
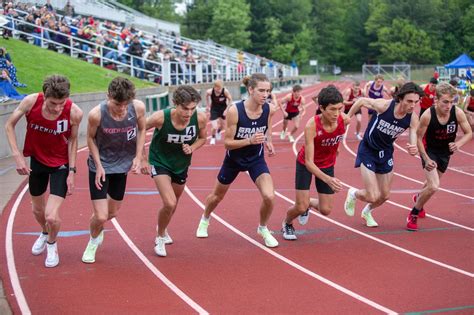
430	165
412	149
453	146
136	165
187	149
21	166
70	183
99	177
270	148
334	183
145	167
257	138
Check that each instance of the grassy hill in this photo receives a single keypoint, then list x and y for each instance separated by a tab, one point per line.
34	64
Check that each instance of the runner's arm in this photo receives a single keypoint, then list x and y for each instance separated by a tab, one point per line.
25	106
420	133
202	136
413	138
466	128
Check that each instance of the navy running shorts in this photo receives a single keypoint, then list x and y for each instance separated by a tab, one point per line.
379	162
303	179
230	170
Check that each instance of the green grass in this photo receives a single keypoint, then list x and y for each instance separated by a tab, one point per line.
422	76
33	64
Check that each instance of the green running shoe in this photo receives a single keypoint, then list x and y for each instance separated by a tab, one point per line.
89	254
349	204
270	241
202	229
369	219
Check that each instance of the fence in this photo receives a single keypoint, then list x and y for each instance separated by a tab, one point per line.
390	72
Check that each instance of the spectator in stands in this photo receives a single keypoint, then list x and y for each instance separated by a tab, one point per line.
27	28
7	64
110	53
136	50
69	9
49	6
63	37
7	91
152	55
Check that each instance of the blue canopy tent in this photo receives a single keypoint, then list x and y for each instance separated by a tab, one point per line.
463	61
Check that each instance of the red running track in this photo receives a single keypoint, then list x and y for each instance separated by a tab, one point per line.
337	265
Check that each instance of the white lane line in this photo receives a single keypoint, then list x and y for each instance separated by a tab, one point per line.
467	153
449	167
406	251
436	262
156	272
152	267
290	262
17	290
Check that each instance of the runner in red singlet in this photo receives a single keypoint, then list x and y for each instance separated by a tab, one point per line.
51	142
295	108
430	91
350	96
316	158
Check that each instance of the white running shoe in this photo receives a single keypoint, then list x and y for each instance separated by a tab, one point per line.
202	229
167	237
349	204
52	259
282	135
359	137
218	136
290	137
268	238
160	249
40	244
213	141
303	218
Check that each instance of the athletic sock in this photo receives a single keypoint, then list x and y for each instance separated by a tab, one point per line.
95	240
203	218
353	193
51	243
44	233
415	211
367	208
261	227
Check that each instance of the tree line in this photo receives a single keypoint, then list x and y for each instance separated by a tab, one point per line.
348	33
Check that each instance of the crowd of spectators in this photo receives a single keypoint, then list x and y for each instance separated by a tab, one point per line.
113	41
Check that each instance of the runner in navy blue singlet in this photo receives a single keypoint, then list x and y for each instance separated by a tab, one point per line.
375	153
248	131
436	137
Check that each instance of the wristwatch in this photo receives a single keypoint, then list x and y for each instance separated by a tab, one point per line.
72	169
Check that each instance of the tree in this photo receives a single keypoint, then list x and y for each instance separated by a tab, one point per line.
230	20
198	18
403	41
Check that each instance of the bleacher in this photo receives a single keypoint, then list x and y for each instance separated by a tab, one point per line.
180	60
